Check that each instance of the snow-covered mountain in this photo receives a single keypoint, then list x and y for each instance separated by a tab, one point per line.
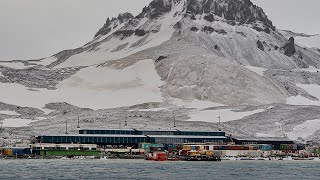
189	54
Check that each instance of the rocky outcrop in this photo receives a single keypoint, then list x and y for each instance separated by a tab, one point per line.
209	17
113	23
209	30
194	29
140	32
155	9
289	48
260	45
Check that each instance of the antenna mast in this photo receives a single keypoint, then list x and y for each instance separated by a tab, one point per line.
66	126
219	117
174	121
78	122
125	122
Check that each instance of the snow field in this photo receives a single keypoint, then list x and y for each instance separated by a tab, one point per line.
257	70
312	89
211	116
92	87
13	123
12	113
304	130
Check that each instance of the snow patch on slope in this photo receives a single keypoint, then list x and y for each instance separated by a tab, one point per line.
95	88
12	113
312	89
14	65
16	122
47	61
226	115
264	135
258	70
311	42
304	130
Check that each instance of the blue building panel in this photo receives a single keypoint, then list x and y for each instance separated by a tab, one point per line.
152	132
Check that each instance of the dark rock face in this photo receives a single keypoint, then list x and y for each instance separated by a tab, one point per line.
161	58
140	32
194	29
193	7
158	7
216	47
178	25
289	48
266	30
209	18
221	31
124	33
318	50
123	17
209	30
242	34
260	45
106	29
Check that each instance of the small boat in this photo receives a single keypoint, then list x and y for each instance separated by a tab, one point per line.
316	159
288	158
157	156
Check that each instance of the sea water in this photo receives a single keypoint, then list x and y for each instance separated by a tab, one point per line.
141	169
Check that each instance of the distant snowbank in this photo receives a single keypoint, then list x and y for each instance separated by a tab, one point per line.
264	135
14	65
258	70
312	89
226	115
196	104
304	130
16	122
311	42
12	113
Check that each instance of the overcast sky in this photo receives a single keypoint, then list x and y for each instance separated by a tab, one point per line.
39	28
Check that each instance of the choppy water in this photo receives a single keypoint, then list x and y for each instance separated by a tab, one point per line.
140	169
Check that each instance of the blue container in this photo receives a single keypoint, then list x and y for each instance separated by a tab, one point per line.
21	151
17	152
27	151
266	148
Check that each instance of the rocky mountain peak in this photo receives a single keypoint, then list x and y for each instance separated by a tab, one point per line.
234	11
